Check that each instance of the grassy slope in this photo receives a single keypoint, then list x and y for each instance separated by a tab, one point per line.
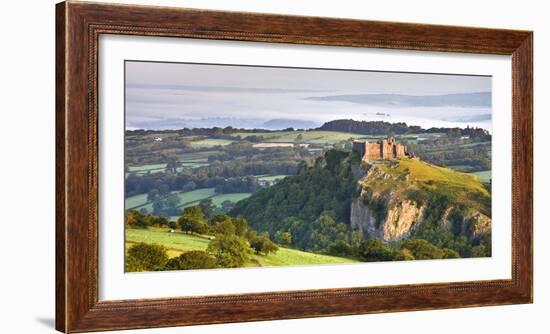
464	188
427	173
179	242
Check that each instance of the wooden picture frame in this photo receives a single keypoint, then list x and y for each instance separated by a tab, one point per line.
78	26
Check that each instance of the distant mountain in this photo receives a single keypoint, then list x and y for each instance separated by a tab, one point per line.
284	123
208	122
466	100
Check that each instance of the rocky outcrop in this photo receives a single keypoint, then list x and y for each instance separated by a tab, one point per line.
472	223
399	221
361	219
389	206
478	224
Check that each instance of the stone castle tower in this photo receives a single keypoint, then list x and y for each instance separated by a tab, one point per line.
381	150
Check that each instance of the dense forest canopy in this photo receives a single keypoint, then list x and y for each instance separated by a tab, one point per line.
294	204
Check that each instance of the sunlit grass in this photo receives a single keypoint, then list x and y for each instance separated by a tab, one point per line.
179	242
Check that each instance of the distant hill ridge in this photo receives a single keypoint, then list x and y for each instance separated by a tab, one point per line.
465	100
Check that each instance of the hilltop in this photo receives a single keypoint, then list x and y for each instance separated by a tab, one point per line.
340	201
401	197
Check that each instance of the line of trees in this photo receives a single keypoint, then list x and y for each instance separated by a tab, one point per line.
387	128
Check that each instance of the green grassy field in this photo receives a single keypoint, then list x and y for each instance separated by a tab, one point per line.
311	137
316	137
135	201
484	176
179	242
186	199
235	197
195	196
210	142
271	177
201	156
145	168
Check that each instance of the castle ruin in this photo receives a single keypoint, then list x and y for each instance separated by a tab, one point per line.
381	150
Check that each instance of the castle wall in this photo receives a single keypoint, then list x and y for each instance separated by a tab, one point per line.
373	152
399	151
387	149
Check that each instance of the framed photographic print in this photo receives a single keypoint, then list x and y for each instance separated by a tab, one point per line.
222	167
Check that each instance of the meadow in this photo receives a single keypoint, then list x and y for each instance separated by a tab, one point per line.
188	198
429	174
179	242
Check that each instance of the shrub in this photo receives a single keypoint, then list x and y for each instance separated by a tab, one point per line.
159	220
423	250
192	260
374	250
283	238
192	220
479	251
404	255
193	226
262	245
145	257
225	227
136	219
450	254
340	248
231	251
241	226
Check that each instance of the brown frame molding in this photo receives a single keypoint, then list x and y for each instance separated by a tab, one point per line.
78	26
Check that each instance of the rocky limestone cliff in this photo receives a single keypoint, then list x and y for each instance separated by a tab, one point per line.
397	225
389	207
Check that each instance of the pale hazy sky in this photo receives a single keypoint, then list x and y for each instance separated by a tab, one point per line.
173	95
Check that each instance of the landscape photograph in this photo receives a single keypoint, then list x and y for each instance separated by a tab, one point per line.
233	166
